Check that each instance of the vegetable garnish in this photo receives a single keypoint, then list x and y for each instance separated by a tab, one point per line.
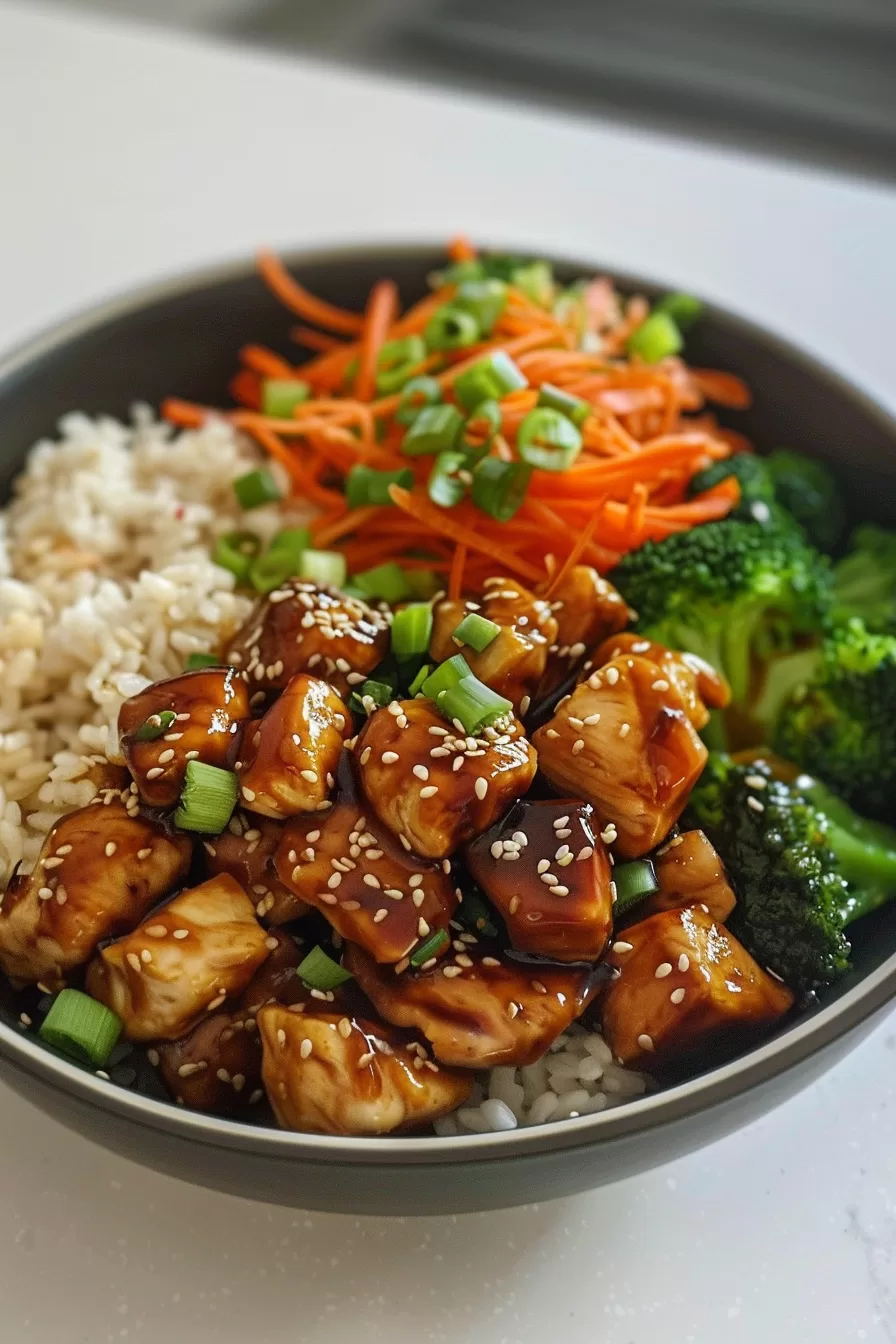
155	726
473	704
207	800
634	881
411	631
320	971
327	568
81	1027
566	403
236	551
446	675
476	631
433	945
197	661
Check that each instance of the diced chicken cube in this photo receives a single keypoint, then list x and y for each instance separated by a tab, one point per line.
300	627
687	992
690	872
216	1067
702	687
209	709
476	1009
246	851
623	741
101	868
549	875
514	662
289	757
326	1074
432	785
346	864
185	961
587	608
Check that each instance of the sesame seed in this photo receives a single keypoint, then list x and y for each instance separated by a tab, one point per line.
512	1010
624	729
146	956
418	897
684	961
281	1036
677	995
621	946
371	880
305	1048
153	1057
380	916
660	684
450	972
166	756
754	781
755	804
180	934
249	795
327	897
134	961
63	850
389	757
45	893
365	755
645	1041
394	893
334	880
609	833
446	864
344	1027
514	904
430	791
481	787
613	891
584	853
490	961
551	732
187	1070
309	775
422	927
612	674
191	756
421	772
312	836
155	772
664	969
457	764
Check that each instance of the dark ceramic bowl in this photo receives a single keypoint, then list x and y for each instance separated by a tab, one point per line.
182	338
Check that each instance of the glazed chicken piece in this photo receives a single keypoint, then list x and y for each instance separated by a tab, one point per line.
101	868
198	716
687	991
587	608
549	875
690	872
477	1010
702	688
514	662
431	785
217	1066
372	890
300	627
623	741
183	962
246	851
326	1074
289	757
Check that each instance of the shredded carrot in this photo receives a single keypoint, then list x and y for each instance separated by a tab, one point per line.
576	553
456	573
316	340
293	295
444	521
266	362
378	317
461	249
723	388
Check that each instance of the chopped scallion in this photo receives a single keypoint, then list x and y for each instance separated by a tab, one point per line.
434	944
656	338
280	396
365	485
411	630
416	686
479	431
415	395
236	551
155	726
327	568
489	379
575	409
451	328
319	971
380	692
256	488
484	299
445	486
684	309
548	439
397	361
386	582
207	799
197	661
633	881
457	273
81	1027
446	675
476	631
476	914
434	430
473	703
499	488
269	571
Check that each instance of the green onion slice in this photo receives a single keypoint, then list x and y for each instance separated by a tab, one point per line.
484	299
434	430
451	328
656	338
489	379
479	432
397	363
412	630
446	487
633	881
326	568
576	409
365	485
476	631
548	440
386	582
380	692
536	280
81	1027
416	686
457	273
236	551
476	914
256	488
197	661
499	488
319	971
684	309
434	944
207	799
269	571
415	395
473	704
280	396
155	726
446	675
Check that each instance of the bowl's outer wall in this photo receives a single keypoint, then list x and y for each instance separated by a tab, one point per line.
183	342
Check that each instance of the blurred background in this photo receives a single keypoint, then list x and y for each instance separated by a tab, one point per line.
805	79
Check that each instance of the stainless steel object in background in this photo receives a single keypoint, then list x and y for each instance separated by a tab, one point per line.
182	339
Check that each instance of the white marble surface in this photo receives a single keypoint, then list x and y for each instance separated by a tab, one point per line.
124	155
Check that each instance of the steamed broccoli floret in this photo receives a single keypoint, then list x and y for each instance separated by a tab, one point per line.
732	592
757	492
802	864
809	493
865	579
842	726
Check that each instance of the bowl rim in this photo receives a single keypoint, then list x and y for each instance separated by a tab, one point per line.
804	1039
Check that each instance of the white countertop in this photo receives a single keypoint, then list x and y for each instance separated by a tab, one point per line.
125	154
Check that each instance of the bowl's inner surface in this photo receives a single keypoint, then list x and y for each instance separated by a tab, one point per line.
184	342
